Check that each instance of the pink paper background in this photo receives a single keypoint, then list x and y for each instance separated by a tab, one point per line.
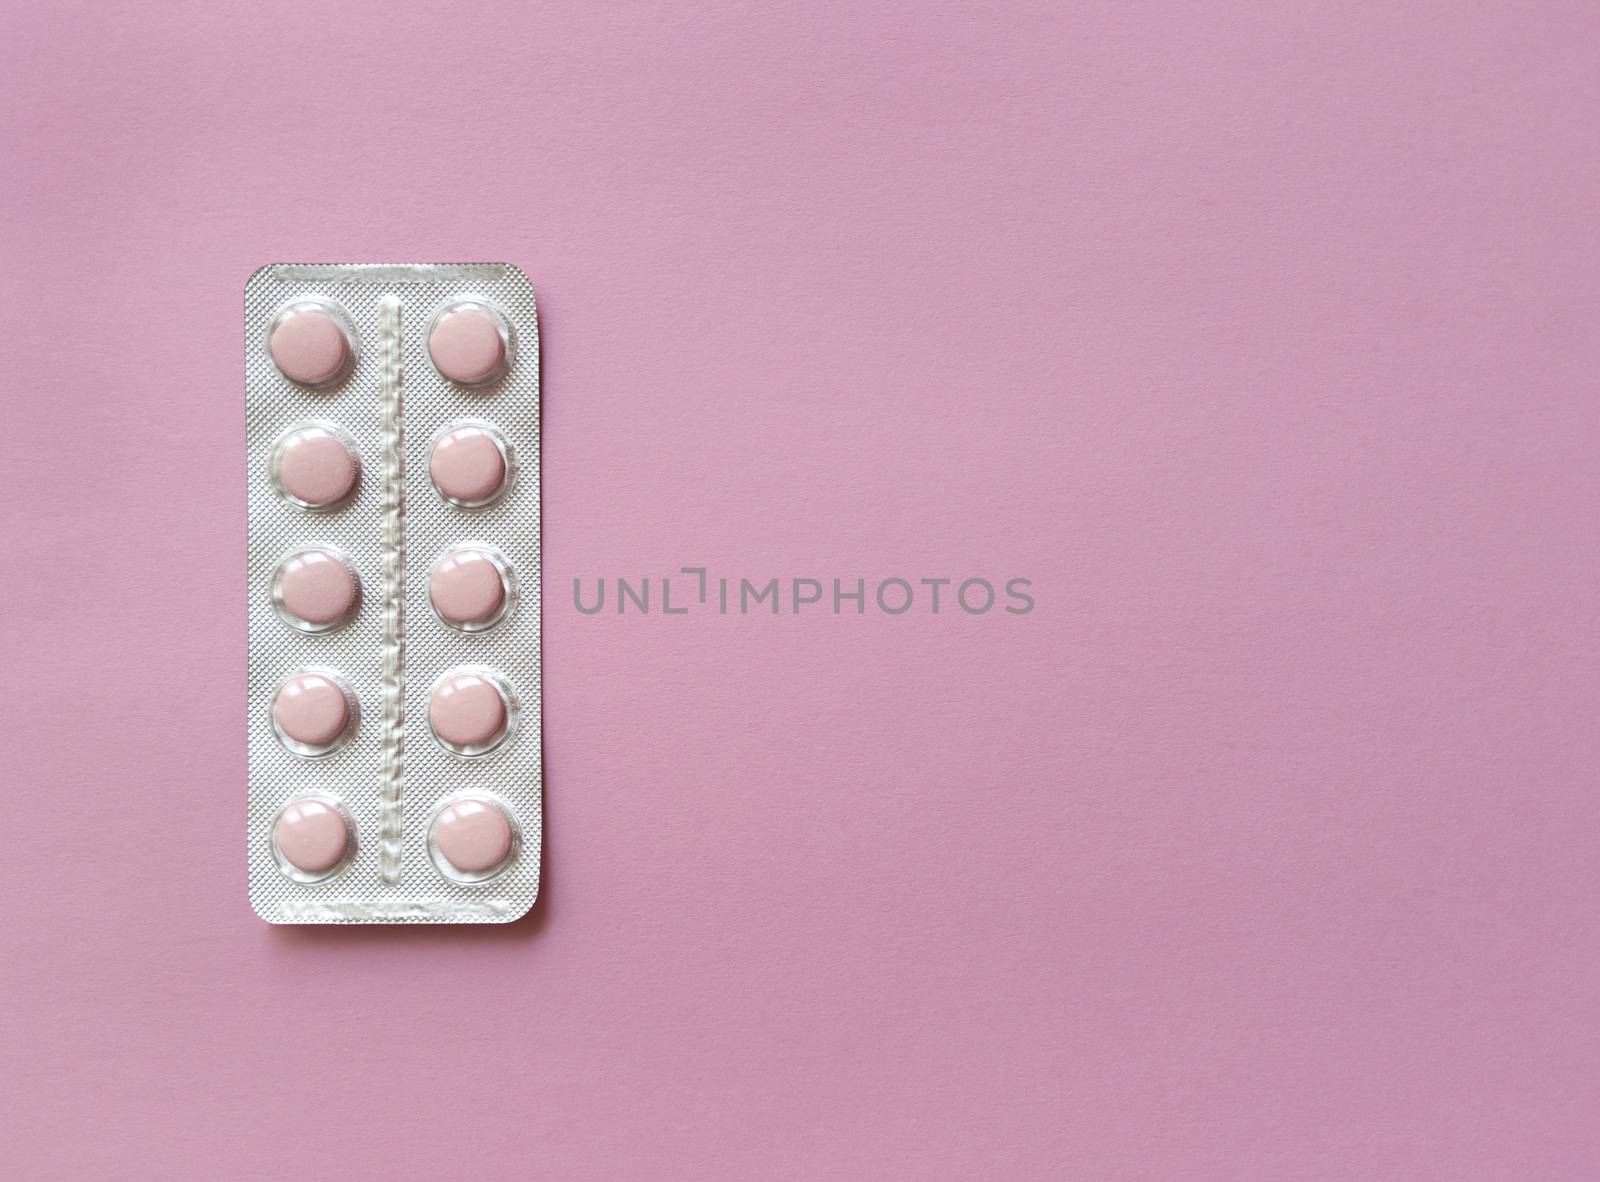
1263	338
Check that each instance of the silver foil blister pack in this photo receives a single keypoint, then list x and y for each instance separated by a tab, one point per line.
394	696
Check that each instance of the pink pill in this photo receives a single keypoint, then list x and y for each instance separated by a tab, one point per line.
311	713
315	468
468	466
309	345
468	344
311	836
469	713
315	590
468	589
474	836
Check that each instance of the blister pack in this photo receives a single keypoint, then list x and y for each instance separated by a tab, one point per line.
393	479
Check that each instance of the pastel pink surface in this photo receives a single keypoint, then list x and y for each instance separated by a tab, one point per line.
309	347
466	346
311	709
317	467
467	710
467	465
316	587
311	836
466	587
1263	337
474	836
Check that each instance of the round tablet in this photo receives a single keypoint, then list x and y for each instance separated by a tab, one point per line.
473	837
311	713
309	344
469	712
468	343
315	467
468	588
468	465
315	590
311	836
